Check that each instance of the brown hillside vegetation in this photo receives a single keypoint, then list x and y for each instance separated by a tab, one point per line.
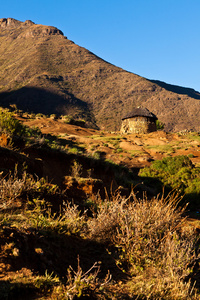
78	221
132	150
41	71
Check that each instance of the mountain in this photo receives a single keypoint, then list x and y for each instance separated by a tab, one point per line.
42	71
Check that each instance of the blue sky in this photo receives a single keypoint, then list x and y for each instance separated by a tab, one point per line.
156	39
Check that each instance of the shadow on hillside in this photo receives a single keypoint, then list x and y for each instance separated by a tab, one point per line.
154	187
57	164
63	142
40	160
38	100
47	250
178	89
11	160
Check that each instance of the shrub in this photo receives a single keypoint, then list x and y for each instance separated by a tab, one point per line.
14	129
9	125
176	172
39	116
96	155
76	169
67	119
32	116
11	187
171	165
73	150
159	125
53	116
82	284
119	150
70	120
152	246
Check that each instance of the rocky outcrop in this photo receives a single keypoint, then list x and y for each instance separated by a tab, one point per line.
10	22
41	30
33	30
28	23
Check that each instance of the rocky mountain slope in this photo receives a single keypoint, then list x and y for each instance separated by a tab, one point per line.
42	71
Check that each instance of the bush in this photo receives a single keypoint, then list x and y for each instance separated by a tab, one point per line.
159	125
18	185
175	172
83	285
153	248
9	125
70	120
39	116
53	116
76	169
13	128
67	119
171	165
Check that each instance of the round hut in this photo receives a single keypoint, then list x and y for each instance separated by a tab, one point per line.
140	120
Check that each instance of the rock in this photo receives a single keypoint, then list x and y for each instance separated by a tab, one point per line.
83	188
9	22
34	30
28	23
41	30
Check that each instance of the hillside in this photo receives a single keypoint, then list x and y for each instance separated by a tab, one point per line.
81	217
42	71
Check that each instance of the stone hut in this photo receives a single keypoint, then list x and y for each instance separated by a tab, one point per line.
140	120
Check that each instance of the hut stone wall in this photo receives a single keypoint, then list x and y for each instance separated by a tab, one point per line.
138	124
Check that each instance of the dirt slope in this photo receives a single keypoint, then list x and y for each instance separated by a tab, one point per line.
130	150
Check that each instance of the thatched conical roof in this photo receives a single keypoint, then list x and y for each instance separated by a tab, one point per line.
140	112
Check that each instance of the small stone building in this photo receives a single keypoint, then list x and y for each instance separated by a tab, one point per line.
140	120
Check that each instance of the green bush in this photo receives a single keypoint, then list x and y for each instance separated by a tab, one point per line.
39	116
175	172
159	125
9	125
172	165
67	119
14	129
53	116
70	120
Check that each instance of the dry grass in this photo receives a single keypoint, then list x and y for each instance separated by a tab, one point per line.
153	249
82	284
144	236
12	187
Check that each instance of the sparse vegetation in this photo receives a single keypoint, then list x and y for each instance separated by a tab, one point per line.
160	125
12	129
129	244
82	284
176	172
144	248
148	243
162	148
76	169
144	237
9	125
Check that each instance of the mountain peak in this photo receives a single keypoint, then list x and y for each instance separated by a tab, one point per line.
34	30
43	72
10	22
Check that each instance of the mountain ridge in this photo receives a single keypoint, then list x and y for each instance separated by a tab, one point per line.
69	79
